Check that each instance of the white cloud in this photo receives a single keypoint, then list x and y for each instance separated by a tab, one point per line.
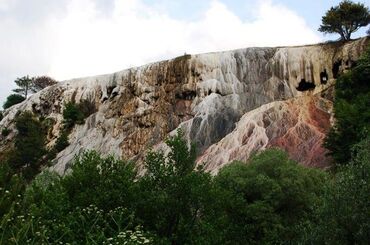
136	34
82	41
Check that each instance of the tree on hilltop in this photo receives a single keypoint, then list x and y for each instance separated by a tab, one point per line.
345	19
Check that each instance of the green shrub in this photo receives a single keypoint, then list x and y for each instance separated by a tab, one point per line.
173	197
13	99
29	145
77	113
91	205
352	111
62	141
1	116
111	178
5	132
265	200
343	218
72	115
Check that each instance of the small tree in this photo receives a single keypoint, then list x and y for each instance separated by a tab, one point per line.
29	145
24	85
174	196
345	19
42	82
13	99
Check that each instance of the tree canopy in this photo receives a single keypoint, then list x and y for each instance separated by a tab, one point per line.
42	82
345	19
27	85
24	85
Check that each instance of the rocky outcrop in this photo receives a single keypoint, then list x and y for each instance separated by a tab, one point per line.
296	125
230	104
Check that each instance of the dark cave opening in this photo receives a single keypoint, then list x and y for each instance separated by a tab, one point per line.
336	67
186	95
305	85
324	77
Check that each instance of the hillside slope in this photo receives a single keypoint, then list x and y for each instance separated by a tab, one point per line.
229	103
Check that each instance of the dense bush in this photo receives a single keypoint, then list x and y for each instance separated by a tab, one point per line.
13	99
87	206
72	115
343	218
352	111
269	200
29	145
173	197
77	113
266	200
5	132
111	178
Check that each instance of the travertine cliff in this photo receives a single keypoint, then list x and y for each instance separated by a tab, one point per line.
230	104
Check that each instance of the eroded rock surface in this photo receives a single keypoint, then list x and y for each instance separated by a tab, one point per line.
296	125
233	102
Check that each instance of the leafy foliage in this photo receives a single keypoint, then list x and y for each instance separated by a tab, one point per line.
345	19
76	113
173	196
5	132
62	141
24	86
352	111
269	200
111	178
29	145
27	85
41	82
13	99
265	200
343	218
87	206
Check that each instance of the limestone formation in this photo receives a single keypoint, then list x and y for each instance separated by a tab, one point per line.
229	103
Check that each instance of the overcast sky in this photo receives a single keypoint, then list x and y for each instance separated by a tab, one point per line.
75	38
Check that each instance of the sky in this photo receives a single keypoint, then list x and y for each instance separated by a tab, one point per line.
75	38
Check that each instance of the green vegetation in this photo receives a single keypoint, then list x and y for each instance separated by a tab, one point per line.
72	114
27	85
352	111
77	113
343	216
13	99
24	86
62	141
269	200
5	132
29	146
345	19
41	82
173	198
103	200
265	201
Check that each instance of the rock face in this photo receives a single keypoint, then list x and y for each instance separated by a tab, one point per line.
296	125
230	104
